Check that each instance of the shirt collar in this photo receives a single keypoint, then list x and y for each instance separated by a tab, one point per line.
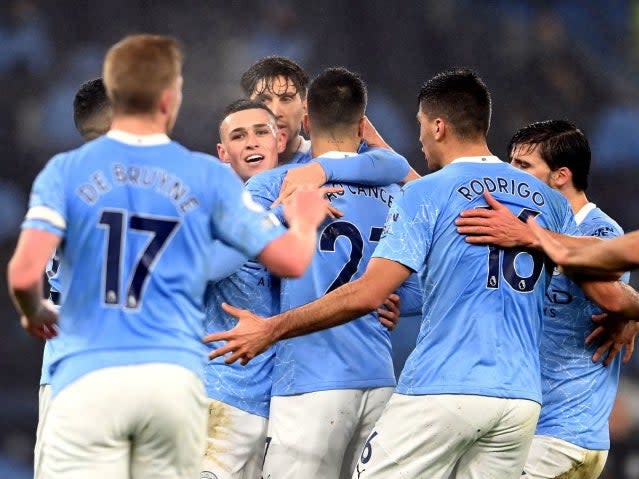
580	215
305	146
337	154
138	140
477	159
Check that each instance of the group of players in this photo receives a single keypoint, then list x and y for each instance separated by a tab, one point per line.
182	251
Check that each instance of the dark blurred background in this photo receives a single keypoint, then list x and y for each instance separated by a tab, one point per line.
571	59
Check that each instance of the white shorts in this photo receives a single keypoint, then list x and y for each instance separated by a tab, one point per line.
235	443
427	436
144	421
320	435
550	457
44	401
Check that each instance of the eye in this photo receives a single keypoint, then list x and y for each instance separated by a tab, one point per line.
264	99
237	136
262	132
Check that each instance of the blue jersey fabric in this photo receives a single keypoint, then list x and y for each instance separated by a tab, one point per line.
245	387
138	222
252	287
578	394
353	355
483	306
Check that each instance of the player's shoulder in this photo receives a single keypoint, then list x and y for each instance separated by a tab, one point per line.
208	162
598	223
271	178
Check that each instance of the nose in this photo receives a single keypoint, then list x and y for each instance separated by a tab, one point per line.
276	107
251	140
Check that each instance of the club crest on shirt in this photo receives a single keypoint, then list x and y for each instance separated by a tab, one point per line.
250	203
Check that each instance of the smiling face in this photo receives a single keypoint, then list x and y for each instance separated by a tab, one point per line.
250	142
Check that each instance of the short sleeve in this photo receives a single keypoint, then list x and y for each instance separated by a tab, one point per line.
265	189
371	166
47	202
238	220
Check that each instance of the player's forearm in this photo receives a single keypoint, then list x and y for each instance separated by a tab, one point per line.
613	296
290	254
25	288
338	307
574	241
619	254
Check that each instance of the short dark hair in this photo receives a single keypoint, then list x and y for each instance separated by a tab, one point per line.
90	101
560	144
461	98
269	68
244	104
336	98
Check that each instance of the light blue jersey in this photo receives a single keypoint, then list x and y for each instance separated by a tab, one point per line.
483	305
138	217
249	387
245	387
53	277
577	394
354	355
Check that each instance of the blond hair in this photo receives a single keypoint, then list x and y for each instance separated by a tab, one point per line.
138	68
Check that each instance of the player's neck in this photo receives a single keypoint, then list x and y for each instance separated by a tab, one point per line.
464	149
292	147
139	124
577	199
321	144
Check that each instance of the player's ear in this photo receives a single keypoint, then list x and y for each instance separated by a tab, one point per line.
439	128
360	127
166	101
306	124
221	153
561	177
281	136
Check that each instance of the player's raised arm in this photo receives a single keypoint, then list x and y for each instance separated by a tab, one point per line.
290	254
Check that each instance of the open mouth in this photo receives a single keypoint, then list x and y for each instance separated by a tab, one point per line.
254	158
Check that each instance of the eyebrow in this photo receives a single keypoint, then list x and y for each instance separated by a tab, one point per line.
254	126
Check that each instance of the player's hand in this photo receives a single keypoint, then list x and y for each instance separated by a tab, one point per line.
333	212
311	175
250	337
43	323
613	334
307	208
371	136
494	225
388	313
556	251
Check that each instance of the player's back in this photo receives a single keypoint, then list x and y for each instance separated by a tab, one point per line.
578	394
356	354
483	305
136	254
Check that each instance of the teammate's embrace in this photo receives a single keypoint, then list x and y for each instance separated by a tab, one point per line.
469	393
